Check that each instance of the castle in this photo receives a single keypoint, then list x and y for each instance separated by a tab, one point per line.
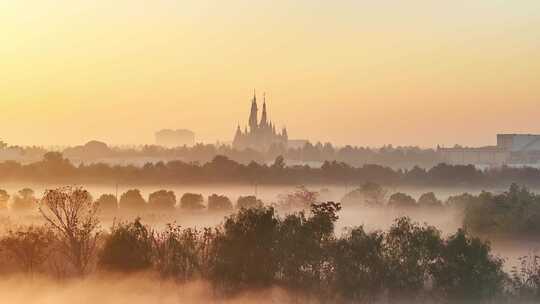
261	135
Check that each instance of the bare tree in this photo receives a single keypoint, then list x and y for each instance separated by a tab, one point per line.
70	211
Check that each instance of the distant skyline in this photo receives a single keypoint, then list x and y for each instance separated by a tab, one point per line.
363	73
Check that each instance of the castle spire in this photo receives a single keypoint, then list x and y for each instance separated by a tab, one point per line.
264	119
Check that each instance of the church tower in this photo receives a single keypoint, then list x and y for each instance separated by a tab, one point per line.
253	125
264	119
260	134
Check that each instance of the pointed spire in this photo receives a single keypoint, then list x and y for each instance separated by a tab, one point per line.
254	113
264	118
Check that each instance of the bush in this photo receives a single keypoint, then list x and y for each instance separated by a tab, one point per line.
162	200
128	248
192	201
29	247
219	203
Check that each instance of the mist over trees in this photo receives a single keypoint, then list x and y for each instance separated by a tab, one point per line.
256	248
95	151
55	168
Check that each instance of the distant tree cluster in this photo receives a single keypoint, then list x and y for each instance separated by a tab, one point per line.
133	201
514	212
396	157
55	168
256	248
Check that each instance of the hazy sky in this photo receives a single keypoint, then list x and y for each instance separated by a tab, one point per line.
412	72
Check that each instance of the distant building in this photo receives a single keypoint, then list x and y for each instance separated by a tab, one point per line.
175	138
261	135
511	149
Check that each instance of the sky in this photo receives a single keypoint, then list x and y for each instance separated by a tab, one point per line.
356	72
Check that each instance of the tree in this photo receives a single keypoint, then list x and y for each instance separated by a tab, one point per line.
305	245
247	202
73	216
429	200
370	194
107	203
467	272
192	201
128	248
177	252
4	199
162	200
461	201
401	200
24	200
299	199
410	251
244	251
360	266
28	246
219	203
279	163
132	200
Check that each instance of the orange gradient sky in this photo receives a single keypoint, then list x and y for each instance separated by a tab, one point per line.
350	72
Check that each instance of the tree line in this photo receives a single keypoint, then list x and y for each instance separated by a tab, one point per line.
514	212
396	157
255	248
55	168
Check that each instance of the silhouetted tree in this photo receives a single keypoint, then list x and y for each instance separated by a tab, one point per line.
162	200
128	248
71	213
370	194
360	266
247	202
244	253
178	253
429	200
300	199
24	200
107	203
467	272
305	245
401	200
191	201
4	199
410	251
132	200
219	203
